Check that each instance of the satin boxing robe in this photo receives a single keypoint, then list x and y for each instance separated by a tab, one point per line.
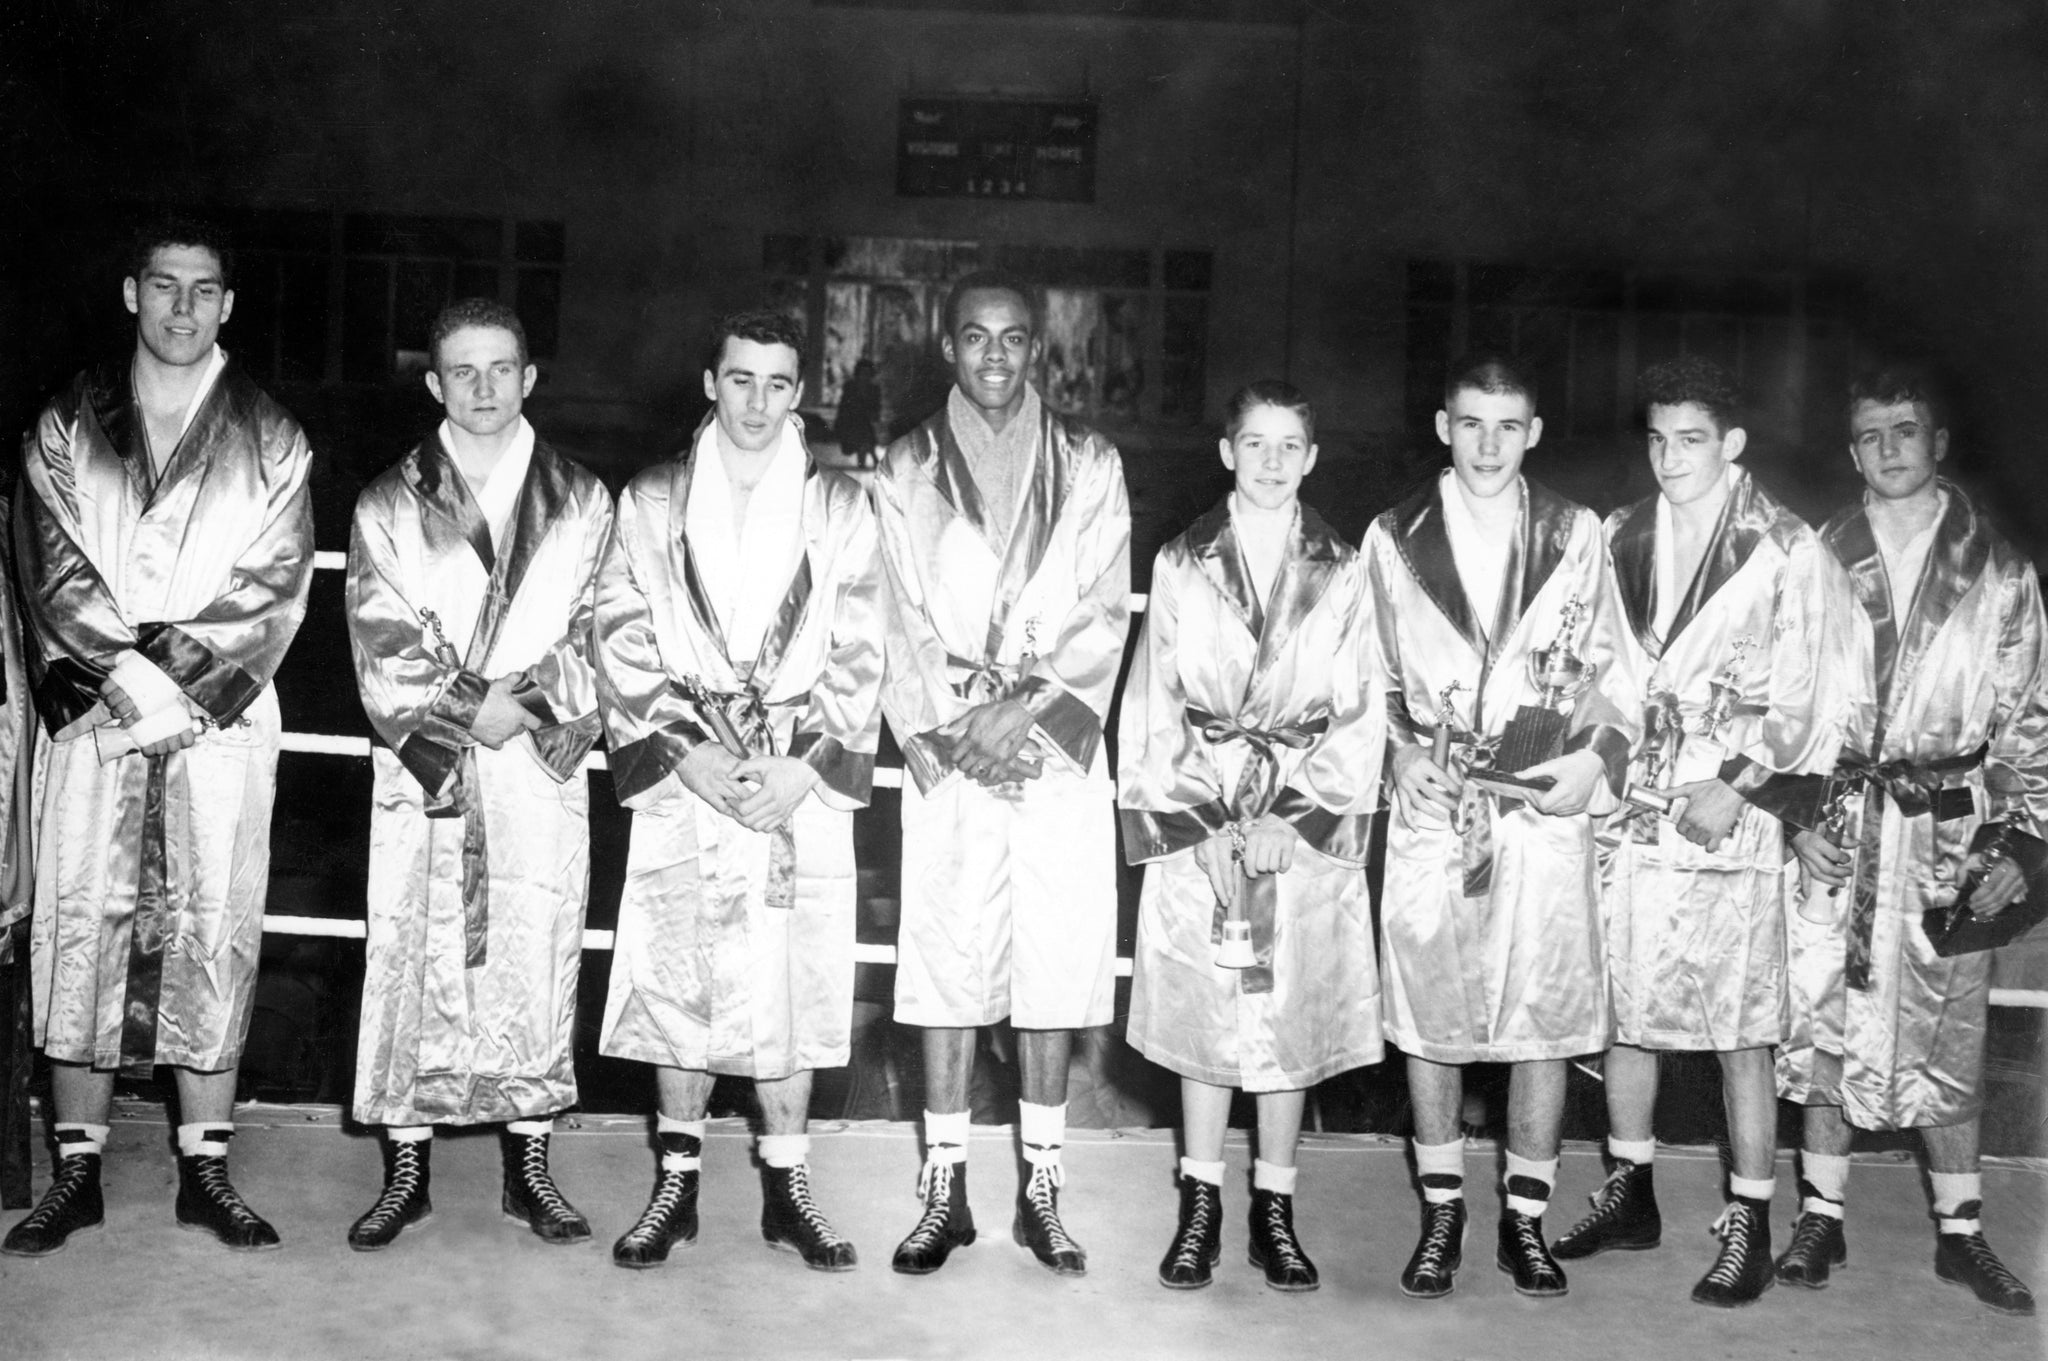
1009	894
479	859
1696	938
1235	708
1517	969
152	872
707	973
17	761
1956	669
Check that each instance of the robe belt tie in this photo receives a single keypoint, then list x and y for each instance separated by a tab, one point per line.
151	925
747	719
982	682
1258	785
464	799
1920	789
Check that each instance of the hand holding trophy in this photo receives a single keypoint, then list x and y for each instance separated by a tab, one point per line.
1536	733
1235	951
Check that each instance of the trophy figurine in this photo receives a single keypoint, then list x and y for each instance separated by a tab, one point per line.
1536	733
1664	735
1446	722
1818	902
1235	951
1703	753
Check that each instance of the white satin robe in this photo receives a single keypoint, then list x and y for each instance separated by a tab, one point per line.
1696	937
203	573
1294	669
1009	895
1517	972
1959	666
706	974
469	1008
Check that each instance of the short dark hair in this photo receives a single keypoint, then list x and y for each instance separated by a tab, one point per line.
180	229
991	281
1491	373
763	326
1903	382
1267	392
467	312
1690	378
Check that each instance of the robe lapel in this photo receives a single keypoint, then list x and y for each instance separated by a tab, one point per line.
1212	542
1633	548
453	514
1546	529
956	483
1313	552
1425	546
110	393
1043	494
1850	538
796	601
694	594
1746	517
542	497
1955	561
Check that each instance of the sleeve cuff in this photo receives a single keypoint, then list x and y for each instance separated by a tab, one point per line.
430	762
1154	836
929	759
448	720
561	747
1742	775
640	765
534	700
214	683
1610	745
1066	722
1340	836
849	774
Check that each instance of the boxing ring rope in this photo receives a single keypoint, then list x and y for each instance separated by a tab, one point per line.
886	777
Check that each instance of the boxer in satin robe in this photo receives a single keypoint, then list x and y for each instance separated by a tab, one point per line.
472	569
1249	742
1006	532
164	541
1940	632
1723	590
743	589
1492	948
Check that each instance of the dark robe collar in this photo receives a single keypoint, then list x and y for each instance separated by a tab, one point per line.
1424	542
224	411
759	671
1312	555
1955	560
1748	515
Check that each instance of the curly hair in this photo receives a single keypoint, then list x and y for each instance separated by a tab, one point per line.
1701	382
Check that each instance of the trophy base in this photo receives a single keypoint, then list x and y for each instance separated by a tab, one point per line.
1510	785
1235	951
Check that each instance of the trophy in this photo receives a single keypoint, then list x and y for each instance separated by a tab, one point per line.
443	650
1235	951
1818	902
1664	736
1703	753
1446	721
1536	733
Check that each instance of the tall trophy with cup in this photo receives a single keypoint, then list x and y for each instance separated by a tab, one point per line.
1536	733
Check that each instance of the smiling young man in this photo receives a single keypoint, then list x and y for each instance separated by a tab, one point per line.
741	593
1939	634
1006	532
1491	948
1724	593
470	590
164	539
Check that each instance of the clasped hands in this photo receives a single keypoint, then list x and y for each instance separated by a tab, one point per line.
758	792
500	717
128	713
988	743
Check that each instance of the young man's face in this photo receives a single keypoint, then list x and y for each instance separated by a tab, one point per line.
1689	452
753	391
1270	453
1896	446
1488	433
179	304
478	379
991	348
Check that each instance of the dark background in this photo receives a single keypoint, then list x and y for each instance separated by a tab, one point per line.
1341	194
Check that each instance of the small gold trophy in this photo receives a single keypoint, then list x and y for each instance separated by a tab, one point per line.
1536	733
1235	950
1703	753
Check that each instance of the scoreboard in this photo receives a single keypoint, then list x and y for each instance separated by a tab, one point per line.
957	147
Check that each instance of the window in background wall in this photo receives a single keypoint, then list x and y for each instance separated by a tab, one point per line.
1587	333
1126	331
326	297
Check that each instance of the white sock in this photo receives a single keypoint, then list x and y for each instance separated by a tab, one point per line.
681	1162
205	1140
1043	1129
1272	1177
408	1134
1753	1188
1641	1152
1952	1191
75	1138
668	1124
1828	1175
1440	1160
528	1128
784	1150
1544	1171
1212	1173
945	1136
